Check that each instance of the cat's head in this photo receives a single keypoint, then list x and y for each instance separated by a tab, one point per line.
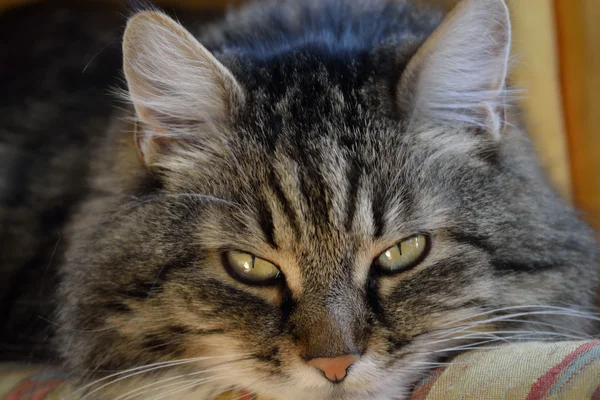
312	220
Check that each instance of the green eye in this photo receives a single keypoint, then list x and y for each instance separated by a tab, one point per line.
251	269
404	255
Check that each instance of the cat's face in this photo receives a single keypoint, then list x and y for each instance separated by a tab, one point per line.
309	214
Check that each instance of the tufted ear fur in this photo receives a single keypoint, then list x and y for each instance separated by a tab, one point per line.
458	76
179	89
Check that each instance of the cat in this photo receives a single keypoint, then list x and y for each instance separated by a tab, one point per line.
306	199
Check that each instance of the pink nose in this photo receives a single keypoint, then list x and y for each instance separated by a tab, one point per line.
334	368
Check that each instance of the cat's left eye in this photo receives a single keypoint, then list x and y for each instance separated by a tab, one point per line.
250	269
403	255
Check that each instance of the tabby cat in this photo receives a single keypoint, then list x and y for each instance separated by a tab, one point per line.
308	199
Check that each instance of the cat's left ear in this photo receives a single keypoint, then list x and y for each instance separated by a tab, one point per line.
180	91
458	76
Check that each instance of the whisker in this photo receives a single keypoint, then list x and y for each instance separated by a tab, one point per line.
569	311
476	345
144	369
467	348
132	394
530	313
590	309
186	387
127	395
183	376
582	337
465	328
242	387
475	334
471	345
434	364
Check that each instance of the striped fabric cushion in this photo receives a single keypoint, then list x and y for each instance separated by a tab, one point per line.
527	371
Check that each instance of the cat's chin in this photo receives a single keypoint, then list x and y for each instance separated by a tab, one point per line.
382	394
365	382
385	390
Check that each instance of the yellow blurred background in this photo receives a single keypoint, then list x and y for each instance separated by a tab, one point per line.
556	46
556	49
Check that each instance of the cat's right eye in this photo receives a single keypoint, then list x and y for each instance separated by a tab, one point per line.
250	269
403	255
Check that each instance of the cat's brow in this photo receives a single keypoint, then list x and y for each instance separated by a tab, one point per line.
288	210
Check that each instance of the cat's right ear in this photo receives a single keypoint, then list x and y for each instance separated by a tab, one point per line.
180	91
458	76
